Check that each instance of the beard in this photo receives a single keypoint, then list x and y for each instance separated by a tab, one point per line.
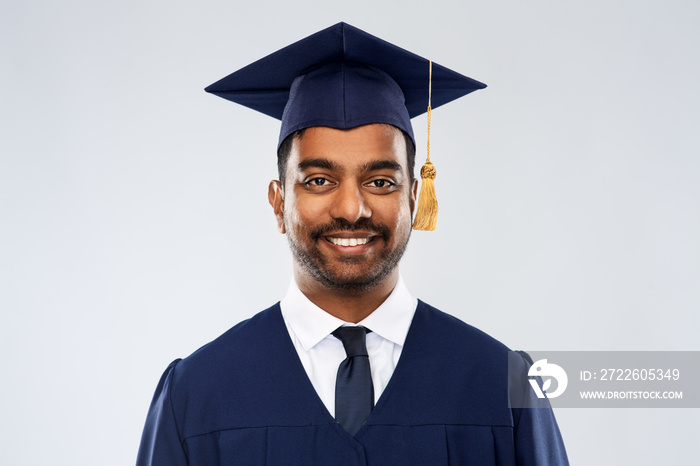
344	275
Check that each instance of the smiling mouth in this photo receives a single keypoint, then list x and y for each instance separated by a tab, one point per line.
349	242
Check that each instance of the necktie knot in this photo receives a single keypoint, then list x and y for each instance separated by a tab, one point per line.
353	339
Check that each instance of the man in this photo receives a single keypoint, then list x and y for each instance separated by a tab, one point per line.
349	368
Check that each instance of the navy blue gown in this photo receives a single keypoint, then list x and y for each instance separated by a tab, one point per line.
245	399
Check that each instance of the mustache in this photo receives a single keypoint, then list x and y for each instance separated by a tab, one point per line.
341	224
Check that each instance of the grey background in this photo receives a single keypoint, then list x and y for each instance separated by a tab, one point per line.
135	226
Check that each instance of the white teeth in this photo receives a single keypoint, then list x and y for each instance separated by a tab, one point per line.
348	241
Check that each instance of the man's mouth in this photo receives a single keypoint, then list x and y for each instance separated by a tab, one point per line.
349	242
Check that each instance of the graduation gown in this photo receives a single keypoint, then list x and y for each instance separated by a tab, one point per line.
245	399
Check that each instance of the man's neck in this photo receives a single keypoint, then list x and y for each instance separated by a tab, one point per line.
348	305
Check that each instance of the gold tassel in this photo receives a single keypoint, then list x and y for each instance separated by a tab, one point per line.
426	213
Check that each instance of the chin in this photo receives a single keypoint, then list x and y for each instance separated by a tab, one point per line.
351	282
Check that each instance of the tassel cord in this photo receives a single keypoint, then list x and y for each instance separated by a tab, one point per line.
427	209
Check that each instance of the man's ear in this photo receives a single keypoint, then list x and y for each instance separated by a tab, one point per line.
275	195
413	196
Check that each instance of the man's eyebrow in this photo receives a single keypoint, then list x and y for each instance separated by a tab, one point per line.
366	168
381	165
318	163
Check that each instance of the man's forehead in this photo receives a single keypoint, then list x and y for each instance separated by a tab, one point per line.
359	147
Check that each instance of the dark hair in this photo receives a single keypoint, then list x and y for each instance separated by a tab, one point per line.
284	151
286	148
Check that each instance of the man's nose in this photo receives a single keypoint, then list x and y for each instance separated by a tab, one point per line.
350	203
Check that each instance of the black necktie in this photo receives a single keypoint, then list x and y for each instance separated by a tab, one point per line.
354	393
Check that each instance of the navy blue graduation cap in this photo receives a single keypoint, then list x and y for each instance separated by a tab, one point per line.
342	77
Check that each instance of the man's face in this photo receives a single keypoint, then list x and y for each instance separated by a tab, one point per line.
347	205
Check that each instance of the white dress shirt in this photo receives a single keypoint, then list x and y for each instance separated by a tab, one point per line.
321	353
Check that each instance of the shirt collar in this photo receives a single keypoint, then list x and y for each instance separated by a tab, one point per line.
311	324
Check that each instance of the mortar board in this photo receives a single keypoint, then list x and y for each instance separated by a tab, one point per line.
343	77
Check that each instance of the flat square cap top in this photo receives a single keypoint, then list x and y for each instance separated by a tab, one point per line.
342	77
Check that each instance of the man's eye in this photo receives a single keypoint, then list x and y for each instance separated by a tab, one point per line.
317	181
381	183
